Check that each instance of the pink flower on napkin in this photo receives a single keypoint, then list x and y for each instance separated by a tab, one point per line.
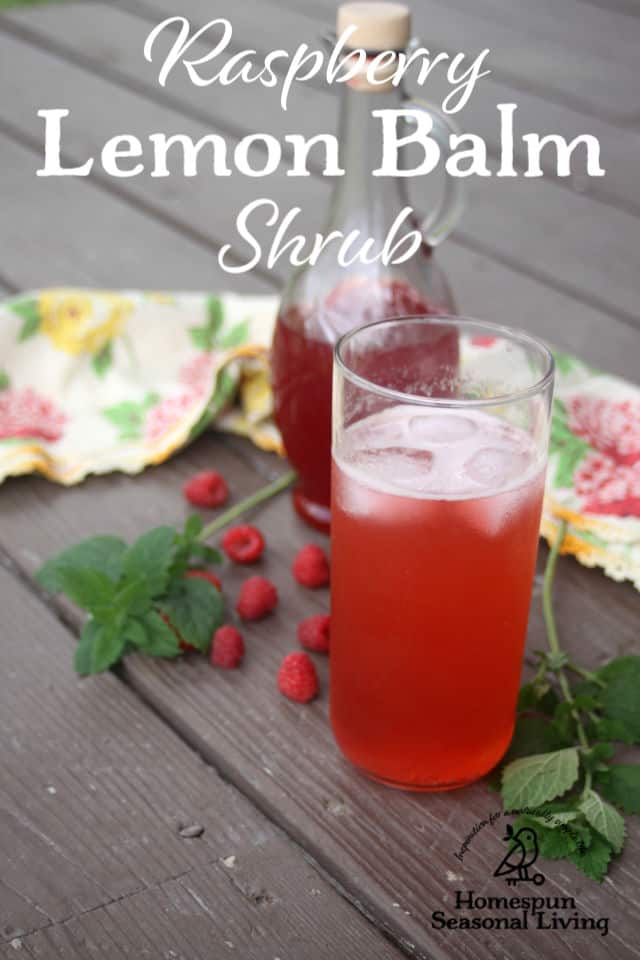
24	413
197	377
611	426
169	413
198	374
608	487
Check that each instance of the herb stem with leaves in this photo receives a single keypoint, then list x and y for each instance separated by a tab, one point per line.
560	776
139	597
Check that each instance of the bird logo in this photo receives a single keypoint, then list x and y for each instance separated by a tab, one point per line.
521	855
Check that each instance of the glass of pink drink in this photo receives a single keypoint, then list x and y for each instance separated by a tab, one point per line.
436	496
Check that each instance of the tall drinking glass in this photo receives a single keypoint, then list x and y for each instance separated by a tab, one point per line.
438	478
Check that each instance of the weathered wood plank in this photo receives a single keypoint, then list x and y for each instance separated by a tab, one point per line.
94	790
484	287
392	851
260	25
571	241
213	912
558	65
71	232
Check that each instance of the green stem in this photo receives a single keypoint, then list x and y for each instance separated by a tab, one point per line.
547	586
552	631
586	674
264	493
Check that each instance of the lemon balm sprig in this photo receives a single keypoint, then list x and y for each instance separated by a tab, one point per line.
560	765
138	597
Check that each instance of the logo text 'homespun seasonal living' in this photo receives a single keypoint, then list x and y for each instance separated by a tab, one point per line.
514	911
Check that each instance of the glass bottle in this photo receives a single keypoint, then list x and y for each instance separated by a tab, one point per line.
324	300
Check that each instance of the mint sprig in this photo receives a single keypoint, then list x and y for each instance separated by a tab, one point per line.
560	773
138	596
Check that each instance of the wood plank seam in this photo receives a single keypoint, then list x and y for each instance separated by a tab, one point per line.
464	240
313	857
19	942
146	12
71	624
158	95
107	184
324	11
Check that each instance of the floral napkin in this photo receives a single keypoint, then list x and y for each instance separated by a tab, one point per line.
593	480
93	381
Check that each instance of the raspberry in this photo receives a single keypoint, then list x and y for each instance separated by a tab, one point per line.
257	598
206	489
243	544
313	633
205	575
311	567
227	648
297	678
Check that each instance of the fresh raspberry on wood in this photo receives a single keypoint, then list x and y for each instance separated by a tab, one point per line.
205	575
311	567
313	633
257	598
206	489
297	678
227	648
243	544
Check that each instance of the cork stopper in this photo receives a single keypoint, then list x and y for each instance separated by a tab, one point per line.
379	26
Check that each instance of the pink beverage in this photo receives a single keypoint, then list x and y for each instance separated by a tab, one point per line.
435	517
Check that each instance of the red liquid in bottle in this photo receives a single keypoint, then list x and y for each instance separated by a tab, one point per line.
302	364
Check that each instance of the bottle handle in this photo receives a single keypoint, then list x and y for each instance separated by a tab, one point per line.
437	226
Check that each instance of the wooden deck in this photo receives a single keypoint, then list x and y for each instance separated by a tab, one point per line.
300	857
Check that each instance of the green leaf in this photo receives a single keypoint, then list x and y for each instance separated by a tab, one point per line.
534	780
564	362
4	380
129	417
151	635
531	735
201	338
225	389
202	551
570	456
237	335
553	844
593	861
540	697
604	818
564	723
102	361
193	527
621	697
133	597
28	311
195	608
100	646
149	558
215	311
621	785
29	328
594	759
204	337
102	554
89	589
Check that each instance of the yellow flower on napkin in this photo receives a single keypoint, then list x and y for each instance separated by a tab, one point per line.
78	323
